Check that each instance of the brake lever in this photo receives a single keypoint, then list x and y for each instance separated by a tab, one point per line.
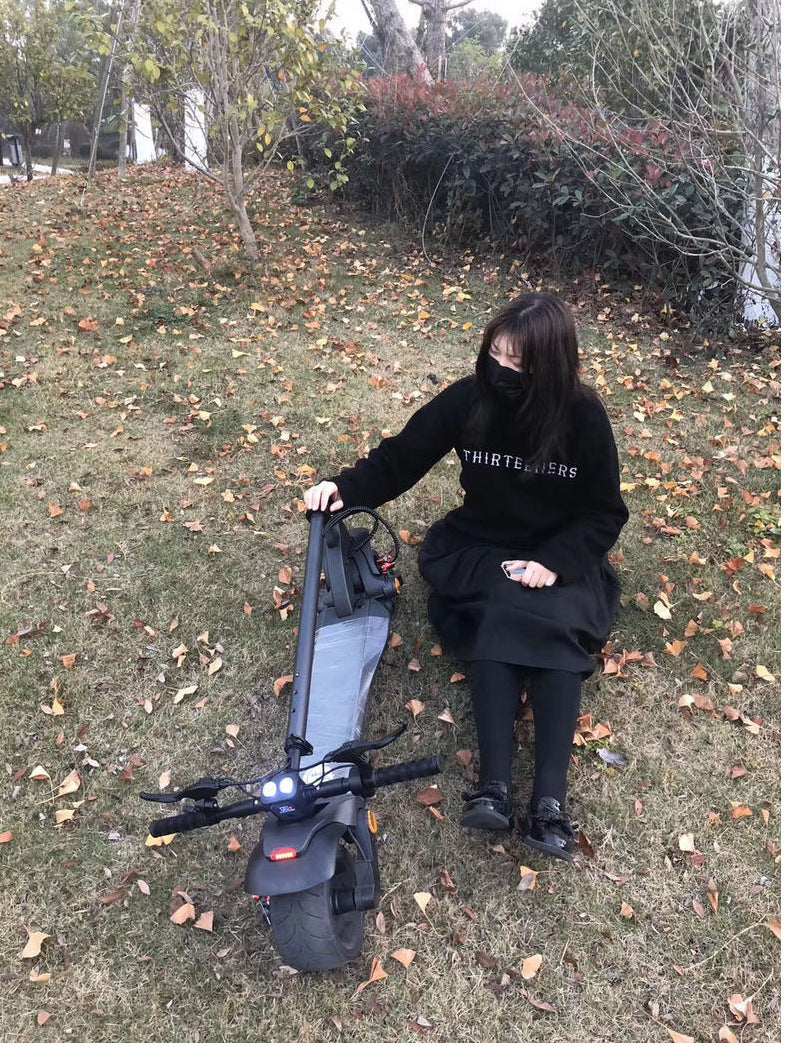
205	789
353	752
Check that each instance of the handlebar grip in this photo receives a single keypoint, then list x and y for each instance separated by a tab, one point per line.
405	772
181	823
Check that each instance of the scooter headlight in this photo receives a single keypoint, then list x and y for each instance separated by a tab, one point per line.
269	790
287	786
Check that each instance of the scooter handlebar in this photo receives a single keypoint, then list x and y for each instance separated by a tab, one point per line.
182	823
405	772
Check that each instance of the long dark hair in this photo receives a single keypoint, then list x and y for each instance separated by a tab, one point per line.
543	328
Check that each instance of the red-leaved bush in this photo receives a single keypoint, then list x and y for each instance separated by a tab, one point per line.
533	174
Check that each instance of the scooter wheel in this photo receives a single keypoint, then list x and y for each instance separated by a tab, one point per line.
310	935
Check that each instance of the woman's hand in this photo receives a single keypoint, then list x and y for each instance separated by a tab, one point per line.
323	495
535	575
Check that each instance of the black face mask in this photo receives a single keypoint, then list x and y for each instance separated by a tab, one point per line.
504	380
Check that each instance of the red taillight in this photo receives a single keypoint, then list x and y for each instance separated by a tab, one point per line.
282	854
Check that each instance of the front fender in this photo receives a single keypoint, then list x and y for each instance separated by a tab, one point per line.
315	841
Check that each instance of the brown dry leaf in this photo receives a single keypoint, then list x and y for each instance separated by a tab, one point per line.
740	810
205	921
69	660
6	837
423	898
529	878
381	923
232	730
280	682
775	927
32	948
531	966
143	888
183	913
43	1017
70	783
446	717
404	956
433	794
396	640
678	1037
663	612
436	650
233	845
183	693
414	665
215	666
541	1006
686	842
377	974
742	1009
34	976
66	815
626	911
39	773
675	647
457	677
726	1035
284	575
415	707
699	672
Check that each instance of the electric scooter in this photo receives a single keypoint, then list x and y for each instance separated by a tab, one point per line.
315	869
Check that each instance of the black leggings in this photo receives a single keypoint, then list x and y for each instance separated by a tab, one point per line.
556	697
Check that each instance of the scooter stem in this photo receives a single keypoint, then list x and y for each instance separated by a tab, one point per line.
305	643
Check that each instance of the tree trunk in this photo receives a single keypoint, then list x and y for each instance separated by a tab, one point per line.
234	186
399	51
435	13
27	145
123	127
58	149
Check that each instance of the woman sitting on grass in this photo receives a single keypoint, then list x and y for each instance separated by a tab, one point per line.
522	585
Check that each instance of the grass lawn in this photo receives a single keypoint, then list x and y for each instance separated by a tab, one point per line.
161	412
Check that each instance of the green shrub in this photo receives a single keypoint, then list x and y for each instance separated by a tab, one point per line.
512	164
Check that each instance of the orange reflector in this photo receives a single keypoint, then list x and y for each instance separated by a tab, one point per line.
282	854
373	824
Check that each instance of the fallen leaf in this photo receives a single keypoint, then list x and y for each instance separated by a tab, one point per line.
404	956
159	841
32	948
531	966
686	842
39	773
422	898
726	1035
183	693
215	666
699	672
396	640
143	888
775	927
70	784
678	1037
233	845
43	1017
414	665
675	647
742	1009
541	1006
6	837
377	974
433	794
662	611
415	707
232	729
183	913
446	717
64	816
763	674
529	878
740	810
457	677
205	921
626	911
43	978
280	682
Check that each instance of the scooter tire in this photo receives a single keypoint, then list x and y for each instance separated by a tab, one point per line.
309	934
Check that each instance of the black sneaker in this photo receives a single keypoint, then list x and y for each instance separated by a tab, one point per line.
549	830
488	808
